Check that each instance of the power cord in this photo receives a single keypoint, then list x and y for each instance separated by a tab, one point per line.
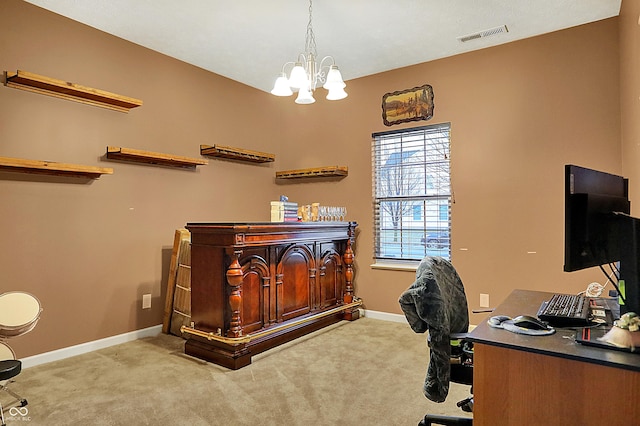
594	289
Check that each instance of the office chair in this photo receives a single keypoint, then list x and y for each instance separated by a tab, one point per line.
19	313
436	302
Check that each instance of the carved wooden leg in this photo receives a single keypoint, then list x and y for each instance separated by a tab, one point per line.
348	273
352	314
234	279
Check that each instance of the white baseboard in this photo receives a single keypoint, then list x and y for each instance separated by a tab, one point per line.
83	348
385	316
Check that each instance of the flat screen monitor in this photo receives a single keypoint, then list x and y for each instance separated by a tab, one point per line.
599	230
629	284
591	198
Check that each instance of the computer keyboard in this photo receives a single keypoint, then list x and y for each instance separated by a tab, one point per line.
565	310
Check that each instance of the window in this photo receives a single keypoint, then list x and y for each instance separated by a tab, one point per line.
412	193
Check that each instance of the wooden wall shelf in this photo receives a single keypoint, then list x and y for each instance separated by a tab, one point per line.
232	153
330	171
139	156
61	89
51	168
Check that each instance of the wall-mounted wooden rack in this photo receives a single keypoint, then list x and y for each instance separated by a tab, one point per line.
330	171
51	168
232	153
139	156
74	92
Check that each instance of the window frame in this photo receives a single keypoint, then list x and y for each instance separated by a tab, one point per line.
431	163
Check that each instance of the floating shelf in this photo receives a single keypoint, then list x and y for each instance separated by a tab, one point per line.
330	171
138	156
51	168
74	92
236	153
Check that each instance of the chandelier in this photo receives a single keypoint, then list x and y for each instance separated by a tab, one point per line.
306	73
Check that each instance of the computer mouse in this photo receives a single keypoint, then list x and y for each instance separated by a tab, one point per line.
532	323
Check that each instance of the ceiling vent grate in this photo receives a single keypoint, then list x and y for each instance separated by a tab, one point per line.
483	34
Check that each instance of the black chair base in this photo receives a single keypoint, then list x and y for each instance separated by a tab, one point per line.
430	419
466	405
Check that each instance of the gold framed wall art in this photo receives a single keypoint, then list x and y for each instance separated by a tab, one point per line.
407	105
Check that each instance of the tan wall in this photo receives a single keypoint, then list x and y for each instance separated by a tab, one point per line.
519	112
90	250
630	97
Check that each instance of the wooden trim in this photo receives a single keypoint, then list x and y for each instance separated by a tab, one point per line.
51	168
274	329
232	153
148	157
329	171
61	89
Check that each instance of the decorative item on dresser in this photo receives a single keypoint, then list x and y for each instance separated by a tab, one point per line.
257	285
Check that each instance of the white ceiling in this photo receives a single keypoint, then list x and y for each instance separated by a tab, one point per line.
249	40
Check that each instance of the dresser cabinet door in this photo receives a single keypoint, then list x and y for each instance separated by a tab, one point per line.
295	273
330	279
255	284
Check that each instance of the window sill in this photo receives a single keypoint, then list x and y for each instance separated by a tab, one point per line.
412	267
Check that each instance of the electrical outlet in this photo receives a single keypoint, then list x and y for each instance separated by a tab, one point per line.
484	300
146	301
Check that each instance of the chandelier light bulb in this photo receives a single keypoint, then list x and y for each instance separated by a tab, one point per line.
298	77
282	88
334	79
336	93
304	96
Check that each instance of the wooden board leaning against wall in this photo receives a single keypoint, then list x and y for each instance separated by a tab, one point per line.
177	310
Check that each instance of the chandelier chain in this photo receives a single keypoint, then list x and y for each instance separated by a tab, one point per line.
310	40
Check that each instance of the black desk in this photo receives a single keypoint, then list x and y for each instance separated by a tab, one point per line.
548	380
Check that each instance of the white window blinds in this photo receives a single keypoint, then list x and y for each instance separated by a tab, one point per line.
412	193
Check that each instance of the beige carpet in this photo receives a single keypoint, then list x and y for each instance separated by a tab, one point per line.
366	372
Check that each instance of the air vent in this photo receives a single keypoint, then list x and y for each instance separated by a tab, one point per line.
483	34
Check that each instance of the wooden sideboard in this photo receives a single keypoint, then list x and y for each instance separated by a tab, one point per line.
257	285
